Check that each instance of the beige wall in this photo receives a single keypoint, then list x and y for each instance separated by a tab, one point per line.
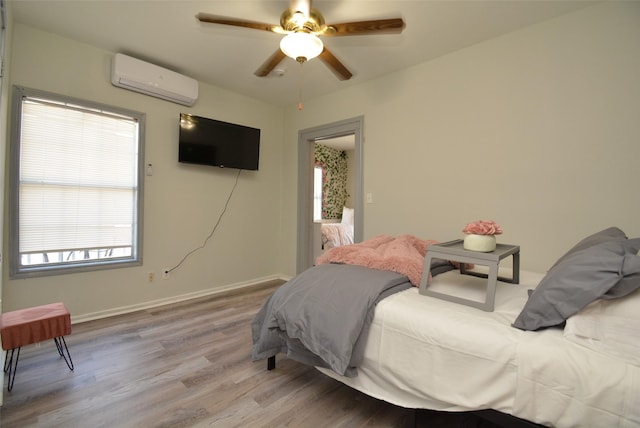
181	203
4	106
536	130
4	103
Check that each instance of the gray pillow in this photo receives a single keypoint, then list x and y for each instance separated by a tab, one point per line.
610	269
610	234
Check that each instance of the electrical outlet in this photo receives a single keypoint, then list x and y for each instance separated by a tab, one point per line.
151	276
165	273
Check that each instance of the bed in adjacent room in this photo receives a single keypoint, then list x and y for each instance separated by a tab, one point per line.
564	355
338	234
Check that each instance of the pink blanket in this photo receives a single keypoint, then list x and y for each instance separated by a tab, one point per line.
404	255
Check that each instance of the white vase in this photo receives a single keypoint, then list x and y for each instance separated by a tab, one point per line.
480	243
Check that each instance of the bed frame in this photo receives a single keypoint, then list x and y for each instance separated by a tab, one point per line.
501	419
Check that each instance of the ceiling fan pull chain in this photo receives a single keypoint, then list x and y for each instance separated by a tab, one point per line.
300	87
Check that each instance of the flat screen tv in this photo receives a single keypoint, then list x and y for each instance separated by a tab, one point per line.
212	142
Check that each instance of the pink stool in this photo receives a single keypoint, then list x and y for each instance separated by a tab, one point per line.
32	325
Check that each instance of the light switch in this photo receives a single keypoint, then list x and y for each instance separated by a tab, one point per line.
369	198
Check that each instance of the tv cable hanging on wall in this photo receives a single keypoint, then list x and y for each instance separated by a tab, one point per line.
213	230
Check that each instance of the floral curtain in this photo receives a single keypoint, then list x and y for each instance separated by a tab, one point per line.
334	180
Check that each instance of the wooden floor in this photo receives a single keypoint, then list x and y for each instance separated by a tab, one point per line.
187	365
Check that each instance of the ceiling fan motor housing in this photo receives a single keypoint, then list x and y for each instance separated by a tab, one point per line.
294	21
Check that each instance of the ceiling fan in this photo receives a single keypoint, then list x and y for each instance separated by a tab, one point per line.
302	26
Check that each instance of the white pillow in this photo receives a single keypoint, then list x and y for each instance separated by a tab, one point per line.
347	215
611	327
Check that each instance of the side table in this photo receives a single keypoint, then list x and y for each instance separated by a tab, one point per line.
454	251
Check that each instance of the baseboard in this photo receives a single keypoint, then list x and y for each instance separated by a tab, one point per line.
175	299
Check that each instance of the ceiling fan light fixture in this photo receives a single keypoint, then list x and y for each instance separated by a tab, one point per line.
301	46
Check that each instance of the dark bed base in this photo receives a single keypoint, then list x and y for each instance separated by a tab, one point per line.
504	420
271	363
493	416
423	418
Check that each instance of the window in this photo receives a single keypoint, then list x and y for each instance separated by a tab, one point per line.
76	185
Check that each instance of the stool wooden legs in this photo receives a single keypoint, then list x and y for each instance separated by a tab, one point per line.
11	366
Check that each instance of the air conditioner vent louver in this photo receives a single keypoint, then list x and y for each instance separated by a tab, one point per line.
139	76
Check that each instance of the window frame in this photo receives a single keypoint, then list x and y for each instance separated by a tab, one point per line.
16	269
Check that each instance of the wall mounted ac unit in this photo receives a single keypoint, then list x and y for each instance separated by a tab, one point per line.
136	75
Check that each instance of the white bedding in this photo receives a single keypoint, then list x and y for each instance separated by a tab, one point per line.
423	352
336	234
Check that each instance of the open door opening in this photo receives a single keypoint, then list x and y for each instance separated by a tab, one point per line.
344	136
333	192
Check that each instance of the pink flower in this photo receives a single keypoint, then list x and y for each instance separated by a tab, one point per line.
482	227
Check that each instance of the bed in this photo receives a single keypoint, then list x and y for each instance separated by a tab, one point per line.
338	234
420	352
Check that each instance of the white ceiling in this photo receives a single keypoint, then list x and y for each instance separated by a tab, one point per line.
167	33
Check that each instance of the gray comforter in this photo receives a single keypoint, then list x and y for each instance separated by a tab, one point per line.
320	316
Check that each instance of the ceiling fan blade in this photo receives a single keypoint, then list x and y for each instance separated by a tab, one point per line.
335	65
377	26
223	20
270	64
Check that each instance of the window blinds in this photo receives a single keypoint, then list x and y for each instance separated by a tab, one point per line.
78	178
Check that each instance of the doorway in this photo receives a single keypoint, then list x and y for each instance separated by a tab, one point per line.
306	141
